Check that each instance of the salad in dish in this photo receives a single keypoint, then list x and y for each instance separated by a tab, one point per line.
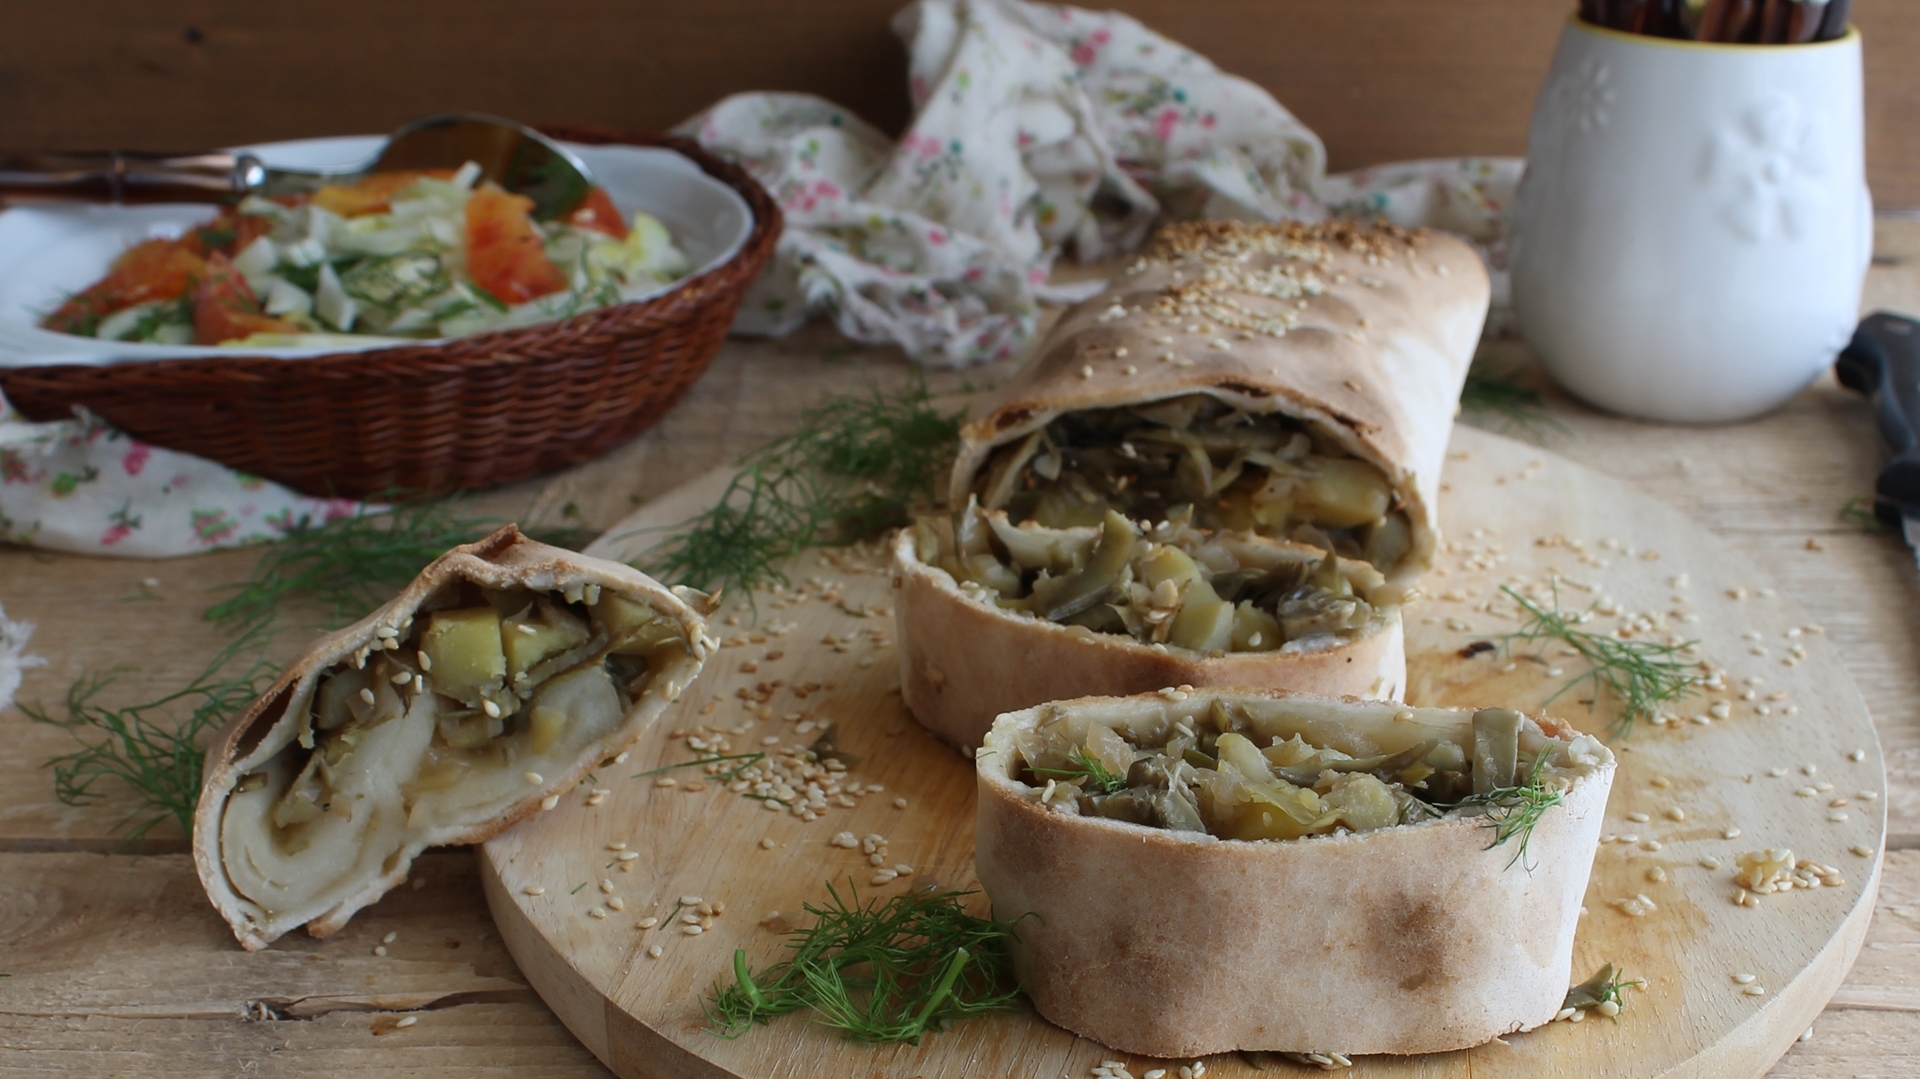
400	255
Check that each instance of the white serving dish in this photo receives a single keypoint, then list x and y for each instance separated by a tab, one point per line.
49	251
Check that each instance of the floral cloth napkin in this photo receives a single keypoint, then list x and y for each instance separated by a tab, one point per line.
1038	129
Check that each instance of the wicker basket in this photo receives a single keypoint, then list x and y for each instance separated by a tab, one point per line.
415	421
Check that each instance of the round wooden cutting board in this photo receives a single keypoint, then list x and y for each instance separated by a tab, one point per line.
1778	757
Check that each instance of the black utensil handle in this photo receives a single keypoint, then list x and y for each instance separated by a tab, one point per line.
1834	23
123	176
1883	362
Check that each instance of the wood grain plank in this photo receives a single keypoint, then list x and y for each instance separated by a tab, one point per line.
159	988
1382	80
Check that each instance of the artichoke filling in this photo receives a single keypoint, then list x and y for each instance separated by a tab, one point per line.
1235	774
454	713
1210	592
1265	473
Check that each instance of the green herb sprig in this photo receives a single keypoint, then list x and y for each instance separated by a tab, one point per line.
1599	991
151	747
852	470
1514	811
357	562
1081	765
1639	674
1490	396
879	972
1859	512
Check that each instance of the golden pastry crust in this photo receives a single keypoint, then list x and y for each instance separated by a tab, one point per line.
1415	938
1374	360
505	559
964	661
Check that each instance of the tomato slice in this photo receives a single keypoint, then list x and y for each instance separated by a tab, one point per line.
597	212
224	308
373	194
504	255
228	233
149	270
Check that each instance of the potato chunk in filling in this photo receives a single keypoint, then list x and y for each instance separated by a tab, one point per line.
455	712
1210	592
1265	473
1233	775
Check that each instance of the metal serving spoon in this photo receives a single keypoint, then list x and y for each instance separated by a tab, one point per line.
512	155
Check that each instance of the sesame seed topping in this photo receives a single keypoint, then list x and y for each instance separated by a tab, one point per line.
366	695
549	801
533	778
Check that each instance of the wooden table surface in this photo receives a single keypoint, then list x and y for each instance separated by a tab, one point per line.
113	963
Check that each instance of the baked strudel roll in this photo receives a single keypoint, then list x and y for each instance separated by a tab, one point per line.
1206	871
480	694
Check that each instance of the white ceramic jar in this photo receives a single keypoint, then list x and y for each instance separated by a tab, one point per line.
1693	229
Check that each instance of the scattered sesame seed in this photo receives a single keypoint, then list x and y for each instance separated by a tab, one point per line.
1730	833
654	952
1857	755
390	937
407	1021
1709	862
1837	816
768	844
549	801
1754	990
380	950
627	855
617	903
669	781
1638	818
1676	814
1862	850
692	900
535	889
691	930
599	912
